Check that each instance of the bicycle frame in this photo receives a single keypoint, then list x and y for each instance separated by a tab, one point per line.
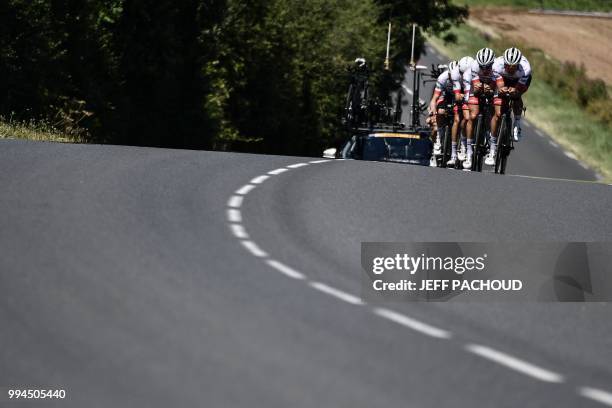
505	142
481	128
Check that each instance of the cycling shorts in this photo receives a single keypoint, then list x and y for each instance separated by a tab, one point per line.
524	88
444	97
496	100
514	83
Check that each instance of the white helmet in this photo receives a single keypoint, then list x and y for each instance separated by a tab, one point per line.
512	56
465	63
485	57
452	65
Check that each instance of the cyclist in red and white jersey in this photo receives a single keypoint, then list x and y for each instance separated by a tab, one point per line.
446	83
483	80
461	88
516	71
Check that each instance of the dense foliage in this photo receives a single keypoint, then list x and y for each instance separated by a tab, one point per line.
256	75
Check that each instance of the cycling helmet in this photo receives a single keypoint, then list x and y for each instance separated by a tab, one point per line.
360	62
465	63
452	65
512	56
485	57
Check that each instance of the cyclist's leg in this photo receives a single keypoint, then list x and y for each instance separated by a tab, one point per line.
517	109
490	159
474	111
463	130
454	132
497	103
440	119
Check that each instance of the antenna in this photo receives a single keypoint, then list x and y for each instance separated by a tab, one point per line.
388	45
412	52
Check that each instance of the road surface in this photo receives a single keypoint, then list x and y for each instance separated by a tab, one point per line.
153	277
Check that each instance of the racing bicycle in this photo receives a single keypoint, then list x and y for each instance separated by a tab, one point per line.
357	97
505	143
481	130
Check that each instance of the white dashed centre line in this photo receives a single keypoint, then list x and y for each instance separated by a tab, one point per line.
601	396
412	323
254	249
239	231
246	189
259	179
347	297
282	268
278	171
515	364
234	215
235	201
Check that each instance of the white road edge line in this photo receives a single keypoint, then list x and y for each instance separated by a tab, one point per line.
296	165
235	201
596	395
278	171
337	293
553	144
239	231
234	215
514	363
259	179
244	190
319	161
254	249
412	323
282	268
570	155
539	133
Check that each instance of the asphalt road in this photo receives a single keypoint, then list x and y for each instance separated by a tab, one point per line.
125	280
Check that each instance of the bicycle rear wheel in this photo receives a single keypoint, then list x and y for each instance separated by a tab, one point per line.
446	145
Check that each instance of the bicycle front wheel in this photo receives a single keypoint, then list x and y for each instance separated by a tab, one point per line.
478	141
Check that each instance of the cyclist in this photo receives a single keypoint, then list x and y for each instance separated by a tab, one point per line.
444	90
483	80
461	88
516	71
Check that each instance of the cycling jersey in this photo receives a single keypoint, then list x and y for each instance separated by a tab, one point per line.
485	76
444	84
520	78
447	84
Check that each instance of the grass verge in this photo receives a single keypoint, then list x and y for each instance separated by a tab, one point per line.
36	130
549	110
576	5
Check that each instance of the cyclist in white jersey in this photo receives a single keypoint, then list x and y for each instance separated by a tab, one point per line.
461	89
482	79
516	72
443	91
